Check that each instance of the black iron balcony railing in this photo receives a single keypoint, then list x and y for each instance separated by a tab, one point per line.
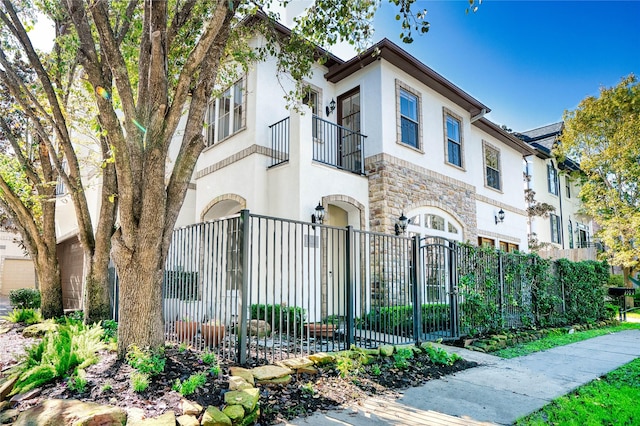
334	145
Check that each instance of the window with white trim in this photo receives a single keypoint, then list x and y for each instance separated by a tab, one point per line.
492	167
556	236
453	139
226	115
552	179
408	115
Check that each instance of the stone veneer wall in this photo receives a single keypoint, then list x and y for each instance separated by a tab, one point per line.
397	186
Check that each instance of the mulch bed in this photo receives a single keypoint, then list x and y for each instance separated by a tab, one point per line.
108	383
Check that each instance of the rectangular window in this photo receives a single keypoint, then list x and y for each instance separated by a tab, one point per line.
311	99
409	122
225	115
554	220
504	246
567	184
486	242
454	141
492	167
552	179
570	229
513	247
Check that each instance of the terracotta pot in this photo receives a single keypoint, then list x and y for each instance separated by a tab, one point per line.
212	334
319	330
186	330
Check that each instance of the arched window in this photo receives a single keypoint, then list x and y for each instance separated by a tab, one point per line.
432	221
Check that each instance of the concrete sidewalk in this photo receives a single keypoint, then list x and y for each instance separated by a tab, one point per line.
499	391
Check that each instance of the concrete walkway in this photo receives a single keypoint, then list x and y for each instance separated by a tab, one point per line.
497	392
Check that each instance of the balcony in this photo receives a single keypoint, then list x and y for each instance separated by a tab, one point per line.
333	145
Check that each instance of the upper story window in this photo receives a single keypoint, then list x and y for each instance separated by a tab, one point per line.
492	167
312	98
556	236
226	115
408	115
453	139
552	179
567	185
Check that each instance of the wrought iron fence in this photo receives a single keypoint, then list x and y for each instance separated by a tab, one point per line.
338	146
280	136
258	287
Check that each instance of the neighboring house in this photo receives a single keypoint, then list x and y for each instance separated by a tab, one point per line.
16	268
383	135
565	228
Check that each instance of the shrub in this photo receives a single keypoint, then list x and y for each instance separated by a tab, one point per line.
139	381
615	280
110	330
26	316
399	319
145	360
584	285
25	298
613	311
70	348
284	319
190	385
78	381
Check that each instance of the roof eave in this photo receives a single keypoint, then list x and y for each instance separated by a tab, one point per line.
385	49
507	138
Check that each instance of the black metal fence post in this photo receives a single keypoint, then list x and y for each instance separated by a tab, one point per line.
243	315
501	289
415	276
349	282
454	316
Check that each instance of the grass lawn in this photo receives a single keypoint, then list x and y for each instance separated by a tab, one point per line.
609	400
560	339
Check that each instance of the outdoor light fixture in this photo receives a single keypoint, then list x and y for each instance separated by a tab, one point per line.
331	107
318	215
401	225
500	217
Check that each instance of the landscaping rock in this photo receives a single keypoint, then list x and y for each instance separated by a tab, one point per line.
267	372
4	405
39	330
242	372
185	420
56	412
234	412
134	414
4	330
247	398
190	408
285	380
214	417
8	416
297	363
166	419
25	396
321	358
258	328
238	383
372	352
7	386
307	370
386	350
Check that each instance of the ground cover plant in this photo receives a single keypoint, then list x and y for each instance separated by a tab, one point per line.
609	400
560	337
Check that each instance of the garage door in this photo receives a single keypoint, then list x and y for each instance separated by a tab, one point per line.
17	273
71	259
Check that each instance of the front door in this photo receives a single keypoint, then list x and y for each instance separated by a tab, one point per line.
349	139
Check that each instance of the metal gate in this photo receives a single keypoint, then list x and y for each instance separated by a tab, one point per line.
437	289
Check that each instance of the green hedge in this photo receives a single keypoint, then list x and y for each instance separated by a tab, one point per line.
585	289
25	298
399	319
283	319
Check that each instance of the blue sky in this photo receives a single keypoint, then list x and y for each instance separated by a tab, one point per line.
529	61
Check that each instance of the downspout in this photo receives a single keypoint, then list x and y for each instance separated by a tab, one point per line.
481	114
561	211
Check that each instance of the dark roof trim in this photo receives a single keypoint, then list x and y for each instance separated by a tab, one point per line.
497	132
400	58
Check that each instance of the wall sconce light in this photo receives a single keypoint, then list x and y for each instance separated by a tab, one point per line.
500	217
318	215
401	225
331	107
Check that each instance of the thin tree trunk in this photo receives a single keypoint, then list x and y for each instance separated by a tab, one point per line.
48	273
97	304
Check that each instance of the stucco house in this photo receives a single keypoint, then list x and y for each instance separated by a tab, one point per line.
566	228
381	134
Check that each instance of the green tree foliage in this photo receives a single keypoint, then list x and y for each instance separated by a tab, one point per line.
603	136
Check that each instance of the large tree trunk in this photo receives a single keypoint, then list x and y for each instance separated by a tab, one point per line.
140	319
48	273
